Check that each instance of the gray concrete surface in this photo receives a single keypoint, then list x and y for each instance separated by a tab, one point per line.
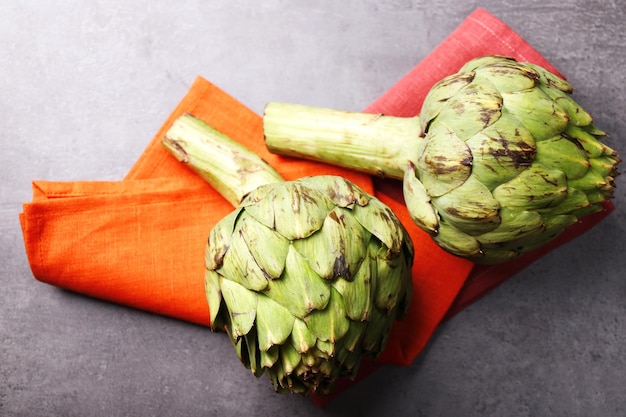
84	86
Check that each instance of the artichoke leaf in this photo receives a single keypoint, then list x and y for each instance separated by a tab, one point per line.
240	266
301	337
389	283
549	79
214	297
594	181
501	151
274	373
537	187
313	357
553	226
564	154
267	247
350	361
440	93
242	306
253	353
219	240
486	61
377	332
593	130
577	115
268	358
348	240
274	323
473	109
358	294
556	224
293	210
240	349
541	115
352	339
300	211
596	197
517	225
458	243
574	202
300	289
470	207
338	248
380	221
444	161
507	76
418	202
326	347
590	143
290	358
258	194
498	256
330	324
329	370
605	165
339	190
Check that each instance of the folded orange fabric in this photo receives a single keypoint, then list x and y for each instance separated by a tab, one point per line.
110	240
140	242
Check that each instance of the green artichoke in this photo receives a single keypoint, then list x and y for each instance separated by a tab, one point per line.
500	161
306	276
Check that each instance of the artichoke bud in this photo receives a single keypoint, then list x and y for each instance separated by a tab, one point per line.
498	138
537	163
307	277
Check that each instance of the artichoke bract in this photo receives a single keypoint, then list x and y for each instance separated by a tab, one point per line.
499	162
306	276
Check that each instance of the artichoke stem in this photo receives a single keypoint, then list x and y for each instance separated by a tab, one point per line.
229	167
373	143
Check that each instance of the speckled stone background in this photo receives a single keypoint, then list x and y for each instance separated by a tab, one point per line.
85	85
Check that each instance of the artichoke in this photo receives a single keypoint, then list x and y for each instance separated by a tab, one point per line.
500	161
306	276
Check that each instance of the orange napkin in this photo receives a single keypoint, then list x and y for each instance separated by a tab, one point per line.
140	242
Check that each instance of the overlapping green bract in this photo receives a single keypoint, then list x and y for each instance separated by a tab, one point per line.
307	278
508	161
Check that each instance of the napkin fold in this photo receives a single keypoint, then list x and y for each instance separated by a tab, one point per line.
140	242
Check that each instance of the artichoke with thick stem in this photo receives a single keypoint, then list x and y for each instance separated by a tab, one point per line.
306	276
500	161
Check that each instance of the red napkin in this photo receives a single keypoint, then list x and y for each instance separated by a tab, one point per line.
140	242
